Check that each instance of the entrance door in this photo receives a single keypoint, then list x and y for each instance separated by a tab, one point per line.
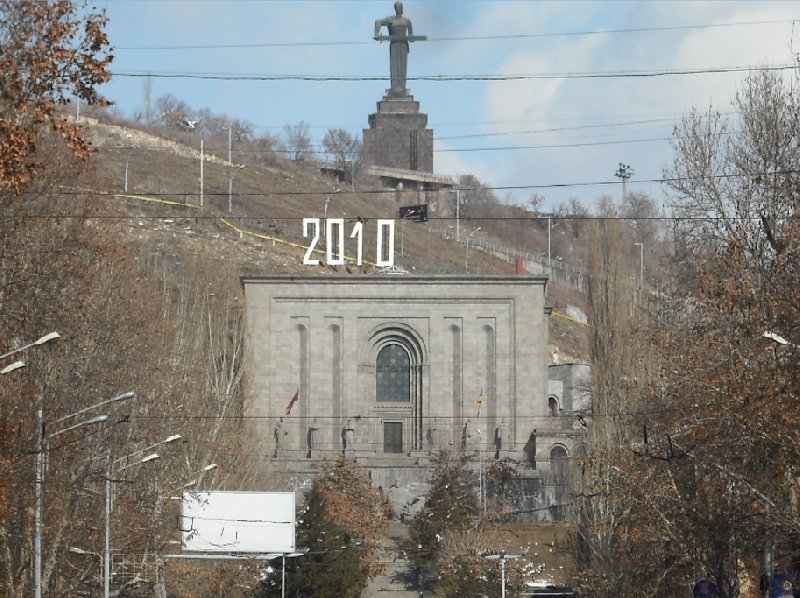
393	437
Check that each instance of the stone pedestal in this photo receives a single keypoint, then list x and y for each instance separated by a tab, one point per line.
397	137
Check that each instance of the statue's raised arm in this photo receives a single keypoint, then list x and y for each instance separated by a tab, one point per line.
401	32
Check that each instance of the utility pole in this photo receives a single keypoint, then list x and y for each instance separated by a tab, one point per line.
458	211
624	172
230	162
457	191
201	173
641	262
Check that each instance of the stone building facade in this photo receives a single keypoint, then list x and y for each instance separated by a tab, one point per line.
389	369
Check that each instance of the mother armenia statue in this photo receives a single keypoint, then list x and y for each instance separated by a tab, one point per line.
400	34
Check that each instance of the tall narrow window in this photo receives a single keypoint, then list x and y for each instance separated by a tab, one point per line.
302	360
393	373
336	370
457	374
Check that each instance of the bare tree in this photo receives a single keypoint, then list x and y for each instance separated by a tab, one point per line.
298	140
700	470
738	180
343	148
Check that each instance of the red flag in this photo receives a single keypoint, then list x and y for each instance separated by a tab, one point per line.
295	398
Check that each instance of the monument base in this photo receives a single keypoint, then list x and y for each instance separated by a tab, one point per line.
397	136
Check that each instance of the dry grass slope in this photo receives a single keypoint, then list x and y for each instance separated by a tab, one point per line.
259	225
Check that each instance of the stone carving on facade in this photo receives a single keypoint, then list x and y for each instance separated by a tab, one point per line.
278	435
348	437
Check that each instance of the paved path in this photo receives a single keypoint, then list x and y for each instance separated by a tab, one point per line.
398	579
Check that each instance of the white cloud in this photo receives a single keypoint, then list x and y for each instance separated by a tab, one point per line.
551	103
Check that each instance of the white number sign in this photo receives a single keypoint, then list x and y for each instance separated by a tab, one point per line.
335	241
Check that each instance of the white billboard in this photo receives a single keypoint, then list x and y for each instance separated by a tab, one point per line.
251	522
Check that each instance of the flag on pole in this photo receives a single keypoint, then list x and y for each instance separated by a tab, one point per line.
295	398
480	401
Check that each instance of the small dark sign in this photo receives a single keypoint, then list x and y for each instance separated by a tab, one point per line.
414	213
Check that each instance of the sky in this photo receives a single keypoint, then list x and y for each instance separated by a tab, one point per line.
529	97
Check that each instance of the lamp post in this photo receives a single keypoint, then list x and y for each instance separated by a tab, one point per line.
334	191
466	254
641	262
624	173
502	556
403	218
38	481
480	473
161	583
111	463
37	510
457	191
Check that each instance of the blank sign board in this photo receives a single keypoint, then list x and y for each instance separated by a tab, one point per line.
252	522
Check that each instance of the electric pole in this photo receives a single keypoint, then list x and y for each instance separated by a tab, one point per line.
624	172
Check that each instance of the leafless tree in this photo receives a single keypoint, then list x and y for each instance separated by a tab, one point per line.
298	140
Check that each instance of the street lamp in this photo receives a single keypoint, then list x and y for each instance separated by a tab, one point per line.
39	341
37	507
502	556
334	191
11	367
466	254
81	551
119	398
161	496
111	463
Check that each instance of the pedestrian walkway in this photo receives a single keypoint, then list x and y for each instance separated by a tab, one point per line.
398	579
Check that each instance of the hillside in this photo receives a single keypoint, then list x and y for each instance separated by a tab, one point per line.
258	225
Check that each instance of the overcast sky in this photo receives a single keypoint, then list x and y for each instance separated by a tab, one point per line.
549	129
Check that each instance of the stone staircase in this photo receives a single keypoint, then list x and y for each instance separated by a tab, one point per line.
398	579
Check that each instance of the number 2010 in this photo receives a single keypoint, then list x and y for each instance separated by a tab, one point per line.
334	236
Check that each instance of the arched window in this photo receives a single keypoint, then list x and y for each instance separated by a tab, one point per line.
558	461
393	375
552	404
558	467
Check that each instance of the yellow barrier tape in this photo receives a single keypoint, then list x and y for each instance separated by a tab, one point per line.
228	224
557	314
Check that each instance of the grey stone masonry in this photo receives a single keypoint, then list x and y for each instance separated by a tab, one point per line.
397	136
391	368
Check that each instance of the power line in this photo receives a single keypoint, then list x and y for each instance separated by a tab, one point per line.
558	129
444	150
450	78
645	118
461	38
667	180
